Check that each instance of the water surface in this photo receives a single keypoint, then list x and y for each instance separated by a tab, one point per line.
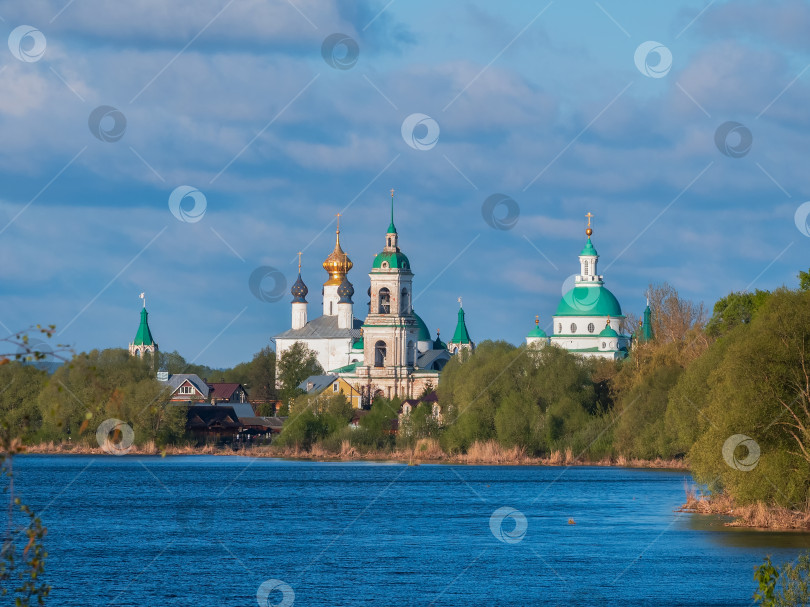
208	531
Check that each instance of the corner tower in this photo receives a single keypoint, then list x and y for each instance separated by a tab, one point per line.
143	341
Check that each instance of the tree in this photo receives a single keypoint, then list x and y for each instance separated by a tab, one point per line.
262	375
294	365
804	280
735	309
757	446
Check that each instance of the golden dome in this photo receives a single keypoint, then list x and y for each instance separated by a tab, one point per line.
337	264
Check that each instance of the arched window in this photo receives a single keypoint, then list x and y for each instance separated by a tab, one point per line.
411	352
585	268
389	242
384	300
379	354
573	328
330	308
455	350
559	328
403	302
591	328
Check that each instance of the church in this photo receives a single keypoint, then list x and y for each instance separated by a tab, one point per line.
392	352
588	317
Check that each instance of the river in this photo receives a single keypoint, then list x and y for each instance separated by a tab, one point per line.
214	531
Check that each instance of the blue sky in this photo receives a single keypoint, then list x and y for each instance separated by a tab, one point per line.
541	102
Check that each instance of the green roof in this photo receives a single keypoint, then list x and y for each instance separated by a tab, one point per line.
358	345
537	332
593	300
646	327
608	332
424	334
346	369
144	336
588	249
438	344
461	336
395	260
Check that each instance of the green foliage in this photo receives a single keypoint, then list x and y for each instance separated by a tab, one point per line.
788	586
18	405
733	310
640	431
313	418
376	428
760	390
804	280
294	366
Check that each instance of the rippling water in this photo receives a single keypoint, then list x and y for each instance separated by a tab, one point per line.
211	530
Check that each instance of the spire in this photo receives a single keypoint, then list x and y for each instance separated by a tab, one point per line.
391	228
646	332
588	250
461	335
144	336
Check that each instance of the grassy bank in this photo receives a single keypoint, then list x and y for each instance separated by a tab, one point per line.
757	515
425	451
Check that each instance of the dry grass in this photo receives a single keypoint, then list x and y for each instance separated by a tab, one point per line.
758	515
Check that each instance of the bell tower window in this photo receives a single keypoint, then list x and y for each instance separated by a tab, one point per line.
384	300
585	268
379	354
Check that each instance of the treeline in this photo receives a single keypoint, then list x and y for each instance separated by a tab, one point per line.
68	406
729	393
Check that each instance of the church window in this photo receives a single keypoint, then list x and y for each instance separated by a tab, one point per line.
411	352
604	345
559	327
573	328
379	354
330	308
403	302
389	242
591	328
585	272
384	301
384	265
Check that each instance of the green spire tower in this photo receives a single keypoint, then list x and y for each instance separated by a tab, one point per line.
143	341
461	337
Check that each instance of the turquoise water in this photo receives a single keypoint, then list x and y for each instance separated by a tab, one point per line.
212	530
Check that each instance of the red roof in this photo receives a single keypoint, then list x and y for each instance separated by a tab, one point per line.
222	391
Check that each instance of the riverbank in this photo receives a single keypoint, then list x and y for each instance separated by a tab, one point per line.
425	451
756	516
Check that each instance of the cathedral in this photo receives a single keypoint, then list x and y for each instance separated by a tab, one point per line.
392	352
588	316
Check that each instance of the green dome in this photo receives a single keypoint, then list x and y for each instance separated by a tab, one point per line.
608	332
395	260
537	332
589	249
424	334
593	300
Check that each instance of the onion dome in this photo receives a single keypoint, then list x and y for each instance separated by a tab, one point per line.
438	344
608	331
337	263
424	334
345	291
537	331
394	260
299	291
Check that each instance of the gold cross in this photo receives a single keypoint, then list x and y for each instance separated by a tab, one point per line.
589	215
459	302
299	262
392	192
